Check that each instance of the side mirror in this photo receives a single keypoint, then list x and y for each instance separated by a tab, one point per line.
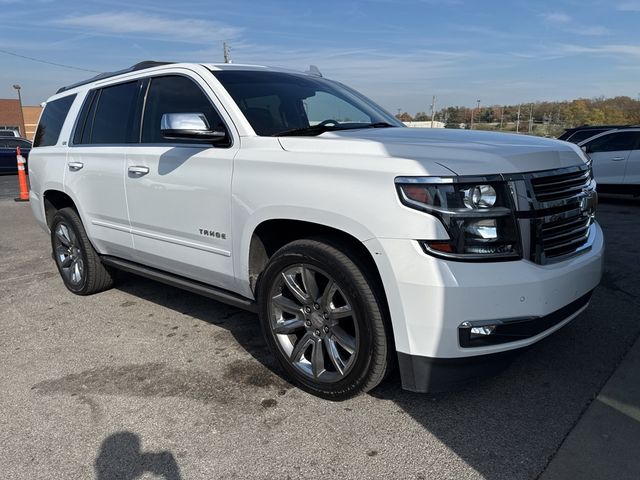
192	126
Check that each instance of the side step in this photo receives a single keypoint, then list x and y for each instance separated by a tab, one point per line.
194	286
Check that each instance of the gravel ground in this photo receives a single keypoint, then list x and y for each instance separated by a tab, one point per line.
146	381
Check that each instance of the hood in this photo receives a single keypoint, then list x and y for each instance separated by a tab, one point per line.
463	152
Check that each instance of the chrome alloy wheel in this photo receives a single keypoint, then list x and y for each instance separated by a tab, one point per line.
313	323
68	254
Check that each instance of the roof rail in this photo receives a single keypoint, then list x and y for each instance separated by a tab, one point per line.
138	66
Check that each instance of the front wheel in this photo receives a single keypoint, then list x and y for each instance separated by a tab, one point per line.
323	320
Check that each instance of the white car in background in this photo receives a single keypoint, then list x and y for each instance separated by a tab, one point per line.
615	156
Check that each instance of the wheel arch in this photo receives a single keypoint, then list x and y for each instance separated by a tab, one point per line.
55	200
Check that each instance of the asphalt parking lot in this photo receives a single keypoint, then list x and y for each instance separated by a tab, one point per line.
152	381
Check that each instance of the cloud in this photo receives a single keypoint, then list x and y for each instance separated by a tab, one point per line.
558	18
568	24
632	51
628	7
188	30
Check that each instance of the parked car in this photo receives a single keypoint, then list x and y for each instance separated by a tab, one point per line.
8	161
579	134
9	133
359	242
615	155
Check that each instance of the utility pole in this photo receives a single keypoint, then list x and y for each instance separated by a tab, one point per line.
501	116
227	55
433	109
518	121
22	128
530	118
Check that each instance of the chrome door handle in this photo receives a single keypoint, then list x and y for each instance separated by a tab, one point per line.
138	171
75	166
618	159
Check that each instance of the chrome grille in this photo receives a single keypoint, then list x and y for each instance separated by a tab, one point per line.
561	187
555	211
563	237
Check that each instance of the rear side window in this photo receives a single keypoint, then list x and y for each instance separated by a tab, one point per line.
614	142
15	142
175	94
584	134
51	121
114	117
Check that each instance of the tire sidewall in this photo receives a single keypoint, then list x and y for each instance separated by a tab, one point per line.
364	312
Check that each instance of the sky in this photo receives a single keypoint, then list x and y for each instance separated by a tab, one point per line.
398	52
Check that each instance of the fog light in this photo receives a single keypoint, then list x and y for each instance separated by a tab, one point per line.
486	330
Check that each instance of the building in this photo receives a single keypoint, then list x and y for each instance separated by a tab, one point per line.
12	118
427	124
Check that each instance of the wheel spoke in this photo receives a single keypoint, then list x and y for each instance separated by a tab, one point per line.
68	260
327	296
301	347
334	355
340	312
297	291
288	326
317	358
343	339
62	233
286	305
310	284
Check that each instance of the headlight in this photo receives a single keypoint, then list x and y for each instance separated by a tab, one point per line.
476	212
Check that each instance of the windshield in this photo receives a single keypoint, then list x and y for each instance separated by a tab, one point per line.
277	103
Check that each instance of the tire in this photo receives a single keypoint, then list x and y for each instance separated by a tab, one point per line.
316	300
78	263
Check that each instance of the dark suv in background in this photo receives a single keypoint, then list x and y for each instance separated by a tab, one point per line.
579	134
8	163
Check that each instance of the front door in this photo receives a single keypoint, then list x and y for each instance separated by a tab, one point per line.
179	191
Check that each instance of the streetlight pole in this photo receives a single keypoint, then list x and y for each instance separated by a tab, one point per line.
433	109
530	118
22	128
501	116
518	121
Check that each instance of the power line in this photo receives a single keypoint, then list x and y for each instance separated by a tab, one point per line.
47	62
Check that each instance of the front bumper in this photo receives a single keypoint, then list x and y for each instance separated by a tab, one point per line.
429	298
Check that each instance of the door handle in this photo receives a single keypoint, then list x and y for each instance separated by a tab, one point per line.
75	166
138	171
618	159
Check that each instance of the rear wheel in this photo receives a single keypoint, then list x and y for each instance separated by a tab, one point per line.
78	263
323	320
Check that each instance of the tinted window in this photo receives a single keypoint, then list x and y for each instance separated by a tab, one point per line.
51	121
82	132
15	142
614	142
175	94
114	118
584	134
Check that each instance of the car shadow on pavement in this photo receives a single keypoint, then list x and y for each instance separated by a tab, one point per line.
120	458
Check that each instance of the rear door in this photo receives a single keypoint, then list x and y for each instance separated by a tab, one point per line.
179	191
108	123
609	153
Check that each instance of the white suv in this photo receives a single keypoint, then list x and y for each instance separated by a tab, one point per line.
358	241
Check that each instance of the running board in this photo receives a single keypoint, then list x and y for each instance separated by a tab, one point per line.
177	281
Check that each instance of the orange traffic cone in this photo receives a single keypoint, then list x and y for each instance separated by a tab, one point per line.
22	178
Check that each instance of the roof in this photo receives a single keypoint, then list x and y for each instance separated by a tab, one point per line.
313	70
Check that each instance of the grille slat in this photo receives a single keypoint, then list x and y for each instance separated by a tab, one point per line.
562	237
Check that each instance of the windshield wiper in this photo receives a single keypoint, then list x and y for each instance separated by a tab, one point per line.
318	129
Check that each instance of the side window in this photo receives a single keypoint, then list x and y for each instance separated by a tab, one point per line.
583	135
613	142
175	94
51	121
16	142
114	117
